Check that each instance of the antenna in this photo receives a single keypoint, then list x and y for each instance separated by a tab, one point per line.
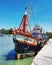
25	10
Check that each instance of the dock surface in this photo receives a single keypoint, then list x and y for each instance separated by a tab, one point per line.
44	57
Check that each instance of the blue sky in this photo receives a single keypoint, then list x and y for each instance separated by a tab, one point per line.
11	13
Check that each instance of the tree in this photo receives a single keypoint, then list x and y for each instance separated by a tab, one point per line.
49	34
10	31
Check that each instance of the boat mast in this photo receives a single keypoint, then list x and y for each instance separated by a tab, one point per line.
23	24
25	21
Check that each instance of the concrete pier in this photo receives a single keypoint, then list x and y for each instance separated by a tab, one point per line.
44	57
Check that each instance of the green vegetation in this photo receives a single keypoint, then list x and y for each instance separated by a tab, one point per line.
6	31
49	34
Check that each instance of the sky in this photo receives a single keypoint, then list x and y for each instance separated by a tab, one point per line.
12	11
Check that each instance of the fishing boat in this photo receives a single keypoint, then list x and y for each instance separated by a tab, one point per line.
26	41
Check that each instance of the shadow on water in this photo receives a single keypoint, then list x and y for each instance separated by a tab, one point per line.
11	55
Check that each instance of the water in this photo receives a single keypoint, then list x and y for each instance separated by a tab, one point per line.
7	52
